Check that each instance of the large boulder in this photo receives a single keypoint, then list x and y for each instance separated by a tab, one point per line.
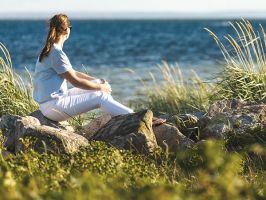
131	131
233	117
46	138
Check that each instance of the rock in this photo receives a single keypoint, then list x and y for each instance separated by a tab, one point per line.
48	138
188	124
94	125
225	106
45	121
131	131
168	136
229	117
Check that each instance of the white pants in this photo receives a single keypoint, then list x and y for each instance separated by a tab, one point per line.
79	101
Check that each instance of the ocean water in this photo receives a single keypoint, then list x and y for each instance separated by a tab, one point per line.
111	49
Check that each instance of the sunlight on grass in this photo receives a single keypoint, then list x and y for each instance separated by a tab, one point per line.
174	94
244	75
15	96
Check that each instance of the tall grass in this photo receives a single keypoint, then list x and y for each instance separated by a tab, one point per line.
15	95
176	94
244	75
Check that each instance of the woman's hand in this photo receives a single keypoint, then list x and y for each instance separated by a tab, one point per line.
105	87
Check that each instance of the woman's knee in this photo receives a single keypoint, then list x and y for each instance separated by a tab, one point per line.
104	95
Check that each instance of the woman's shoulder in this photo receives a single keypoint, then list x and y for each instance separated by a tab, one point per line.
58	52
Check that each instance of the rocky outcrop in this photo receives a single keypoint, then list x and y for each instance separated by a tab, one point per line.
131	131
227	119
15	128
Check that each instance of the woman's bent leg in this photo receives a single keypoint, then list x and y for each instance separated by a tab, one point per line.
70	106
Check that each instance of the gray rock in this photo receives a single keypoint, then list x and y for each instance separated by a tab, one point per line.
188	124
45	121
94	125
168	136
47	138
131	131
229	117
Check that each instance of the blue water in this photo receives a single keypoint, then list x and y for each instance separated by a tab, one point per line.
106	48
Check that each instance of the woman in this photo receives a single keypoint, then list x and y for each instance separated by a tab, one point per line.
53	70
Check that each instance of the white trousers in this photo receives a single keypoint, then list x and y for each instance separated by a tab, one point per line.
79	101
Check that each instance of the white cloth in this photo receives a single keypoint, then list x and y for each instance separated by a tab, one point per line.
79	101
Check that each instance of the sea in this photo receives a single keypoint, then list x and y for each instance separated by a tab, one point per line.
128	53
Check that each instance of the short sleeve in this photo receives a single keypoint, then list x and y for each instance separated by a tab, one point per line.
61	63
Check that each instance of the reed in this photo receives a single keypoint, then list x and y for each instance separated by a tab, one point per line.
175	94
244	74
15	95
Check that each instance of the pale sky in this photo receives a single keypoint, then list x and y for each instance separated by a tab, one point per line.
233	7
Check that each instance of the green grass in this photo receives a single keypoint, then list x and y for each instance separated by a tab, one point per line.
175	94
244	75
101	172
15	96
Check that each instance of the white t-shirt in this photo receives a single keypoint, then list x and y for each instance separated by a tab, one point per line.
47	82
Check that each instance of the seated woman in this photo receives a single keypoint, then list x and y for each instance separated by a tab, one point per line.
53	70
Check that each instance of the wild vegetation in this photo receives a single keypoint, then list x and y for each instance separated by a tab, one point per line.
211	170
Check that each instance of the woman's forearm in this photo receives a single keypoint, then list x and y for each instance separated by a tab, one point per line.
84	76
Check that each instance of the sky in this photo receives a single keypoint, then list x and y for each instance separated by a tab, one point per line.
134	8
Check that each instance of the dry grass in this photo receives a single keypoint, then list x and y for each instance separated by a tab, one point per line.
15	95
244	75
177	95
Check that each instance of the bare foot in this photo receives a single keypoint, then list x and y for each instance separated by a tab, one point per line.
157	121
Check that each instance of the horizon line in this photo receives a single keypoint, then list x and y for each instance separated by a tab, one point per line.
35	15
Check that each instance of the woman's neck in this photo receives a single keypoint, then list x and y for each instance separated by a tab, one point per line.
60	42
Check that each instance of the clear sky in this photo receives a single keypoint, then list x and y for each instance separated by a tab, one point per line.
176	7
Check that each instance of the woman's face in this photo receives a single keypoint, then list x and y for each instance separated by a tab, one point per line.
68	33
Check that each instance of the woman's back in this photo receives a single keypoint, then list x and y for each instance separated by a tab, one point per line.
47	81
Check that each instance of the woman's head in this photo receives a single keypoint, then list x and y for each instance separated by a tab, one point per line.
58	27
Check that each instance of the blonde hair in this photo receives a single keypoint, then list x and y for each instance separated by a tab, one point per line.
58	25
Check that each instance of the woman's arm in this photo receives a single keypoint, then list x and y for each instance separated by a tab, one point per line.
84	76
82	83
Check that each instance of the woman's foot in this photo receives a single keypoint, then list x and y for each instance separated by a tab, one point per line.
157	121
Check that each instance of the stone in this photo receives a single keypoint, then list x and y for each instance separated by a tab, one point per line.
94	125
15	128
188	124
228	117
131	131
169	137
45	121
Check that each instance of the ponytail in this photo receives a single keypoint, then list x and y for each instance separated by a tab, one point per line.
49	42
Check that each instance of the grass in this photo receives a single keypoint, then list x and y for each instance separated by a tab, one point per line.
244	75
177	95
231	169
15	96
101	172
